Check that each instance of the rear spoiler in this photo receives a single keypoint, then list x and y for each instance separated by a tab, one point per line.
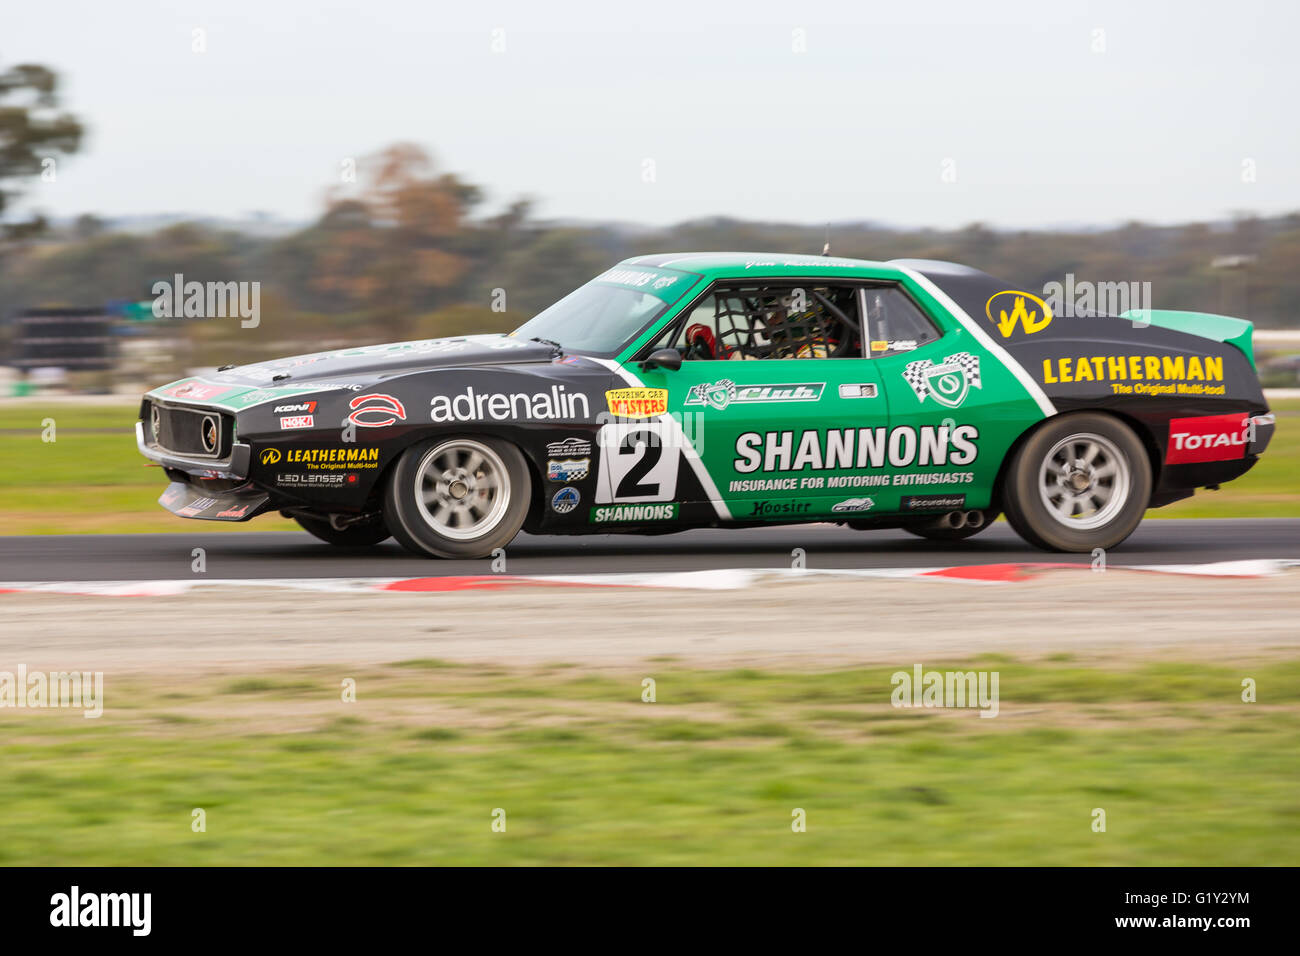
1219	328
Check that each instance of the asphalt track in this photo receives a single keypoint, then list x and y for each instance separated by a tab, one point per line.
253	554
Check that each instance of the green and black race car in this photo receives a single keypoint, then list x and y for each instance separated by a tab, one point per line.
726	390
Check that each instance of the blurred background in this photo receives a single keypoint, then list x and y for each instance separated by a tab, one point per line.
402	170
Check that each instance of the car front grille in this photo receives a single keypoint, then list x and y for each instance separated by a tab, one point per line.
193	432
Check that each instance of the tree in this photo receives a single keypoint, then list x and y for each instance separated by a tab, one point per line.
32	131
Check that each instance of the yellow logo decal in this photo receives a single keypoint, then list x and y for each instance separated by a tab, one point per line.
637	402
1026	318
270	456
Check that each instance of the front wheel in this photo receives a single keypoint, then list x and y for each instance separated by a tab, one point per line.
1080	482
458	497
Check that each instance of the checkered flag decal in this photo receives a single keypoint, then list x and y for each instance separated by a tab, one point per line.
970	364
914	372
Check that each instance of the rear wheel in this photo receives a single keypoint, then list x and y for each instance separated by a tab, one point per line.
358	534
1080	482
458	497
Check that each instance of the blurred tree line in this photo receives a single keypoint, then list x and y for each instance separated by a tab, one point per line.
402	253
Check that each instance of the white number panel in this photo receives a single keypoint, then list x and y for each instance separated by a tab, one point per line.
638	462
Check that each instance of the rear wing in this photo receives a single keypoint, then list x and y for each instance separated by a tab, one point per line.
1218	328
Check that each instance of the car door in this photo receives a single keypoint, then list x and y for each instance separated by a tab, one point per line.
951	418
773	409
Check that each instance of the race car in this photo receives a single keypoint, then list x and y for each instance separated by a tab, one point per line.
694	390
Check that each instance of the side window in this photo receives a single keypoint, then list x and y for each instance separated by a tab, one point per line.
784	321
895	324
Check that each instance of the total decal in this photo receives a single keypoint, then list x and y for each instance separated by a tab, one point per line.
474	406
947	382
1208	438
376	410
725	392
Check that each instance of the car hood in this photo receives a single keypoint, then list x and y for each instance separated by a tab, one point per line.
373	362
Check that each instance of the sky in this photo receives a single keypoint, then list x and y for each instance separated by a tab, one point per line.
1017	115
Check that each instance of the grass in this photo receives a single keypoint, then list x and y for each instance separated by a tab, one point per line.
710	773
91	479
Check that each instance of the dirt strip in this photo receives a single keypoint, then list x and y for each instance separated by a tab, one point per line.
1110	616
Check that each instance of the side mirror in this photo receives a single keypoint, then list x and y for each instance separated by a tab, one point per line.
667	359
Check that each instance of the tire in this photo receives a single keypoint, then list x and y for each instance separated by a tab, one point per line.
363	534
951	534
1080	482
458	497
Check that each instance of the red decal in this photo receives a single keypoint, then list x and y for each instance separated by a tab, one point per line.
388	409
1207	438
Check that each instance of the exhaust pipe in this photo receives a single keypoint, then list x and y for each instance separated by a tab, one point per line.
954	520
974	519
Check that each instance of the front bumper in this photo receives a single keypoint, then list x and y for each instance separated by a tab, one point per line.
233	466
235	504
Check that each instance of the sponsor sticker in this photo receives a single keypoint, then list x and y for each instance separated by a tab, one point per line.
323	459
475	406
879	346
637	402
607	514
299	408
777	509
196	391
376	410
1031	320
853	504
1207	438
569	448
565	500
929	502
234	512
568	469
197	506
948	382
725	392
313	479
297	421
1140	374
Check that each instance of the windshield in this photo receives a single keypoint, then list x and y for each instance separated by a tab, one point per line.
602	316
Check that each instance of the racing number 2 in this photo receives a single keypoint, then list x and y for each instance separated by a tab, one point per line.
638	462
